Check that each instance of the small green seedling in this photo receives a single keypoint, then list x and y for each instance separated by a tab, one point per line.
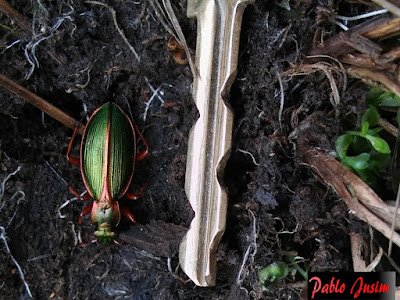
377	97
364	151
273	272
269	275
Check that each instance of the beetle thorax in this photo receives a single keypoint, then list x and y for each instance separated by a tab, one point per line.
104	205
106	211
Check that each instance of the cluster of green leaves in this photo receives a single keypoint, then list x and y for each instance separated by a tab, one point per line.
363	150
377	97
280	270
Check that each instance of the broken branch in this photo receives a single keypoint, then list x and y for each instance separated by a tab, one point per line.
377	28
40	103
358	196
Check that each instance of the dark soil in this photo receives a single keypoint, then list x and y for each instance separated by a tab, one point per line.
86	63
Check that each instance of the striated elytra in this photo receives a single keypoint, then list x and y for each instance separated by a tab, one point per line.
107	162
108	152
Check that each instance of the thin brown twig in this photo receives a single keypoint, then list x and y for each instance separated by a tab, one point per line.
377	28
357	244
374	77
40	103
362	200
8	10
388	127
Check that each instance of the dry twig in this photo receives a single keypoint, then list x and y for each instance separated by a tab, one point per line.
40	103
328	70
377	28
357	245
374	77
358	196
8	10
388	127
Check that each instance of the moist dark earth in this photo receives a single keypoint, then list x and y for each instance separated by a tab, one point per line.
276	205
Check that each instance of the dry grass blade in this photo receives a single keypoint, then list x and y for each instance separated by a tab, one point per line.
374	263
40	103
374	78
328	70
168	18
389	6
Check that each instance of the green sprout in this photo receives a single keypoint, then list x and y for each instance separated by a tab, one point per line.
273	272
364	151
269	275
377	97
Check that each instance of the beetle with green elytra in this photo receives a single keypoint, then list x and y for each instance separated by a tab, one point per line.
107	162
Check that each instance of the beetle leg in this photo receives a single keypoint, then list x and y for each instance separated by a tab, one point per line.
72	160
133	196
85	196
144	152
85	211
125	211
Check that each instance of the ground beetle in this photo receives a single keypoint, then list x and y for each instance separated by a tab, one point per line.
107	161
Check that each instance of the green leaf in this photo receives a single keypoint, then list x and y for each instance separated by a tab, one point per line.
359	162
342	144
352	132
398	117
273	272
371	116
378	161
372	96
364	129
378	144
374	131
389	99
360	144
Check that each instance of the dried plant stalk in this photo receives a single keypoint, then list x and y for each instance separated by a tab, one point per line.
378	28
358	196
8	10
40	103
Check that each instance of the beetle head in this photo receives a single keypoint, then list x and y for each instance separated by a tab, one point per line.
104	234
106	215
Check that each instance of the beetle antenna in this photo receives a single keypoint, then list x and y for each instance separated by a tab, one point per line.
55	172
129	108
158	171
